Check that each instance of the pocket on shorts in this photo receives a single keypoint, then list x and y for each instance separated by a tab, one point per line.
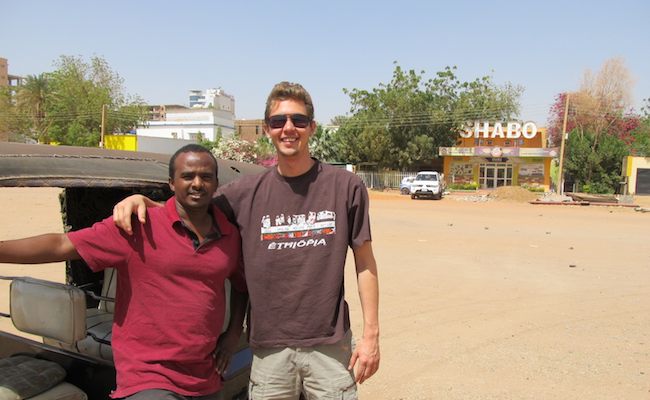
255	390
350	392
342	389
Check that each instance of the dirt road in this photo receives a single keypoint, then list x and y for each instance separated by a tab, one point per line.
505	300
495	300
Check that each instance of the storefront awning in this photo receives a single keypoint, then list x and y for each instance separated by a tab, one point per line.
496	151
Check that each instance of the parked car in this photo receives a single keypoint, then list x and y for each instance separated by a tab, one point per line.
75	319
427	184
405	185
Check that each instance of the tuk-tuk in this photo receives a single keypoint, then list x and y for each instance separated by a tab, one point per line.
74	319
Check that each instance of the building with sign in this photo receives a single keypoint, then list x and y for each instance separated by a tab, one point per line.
493	155
636	175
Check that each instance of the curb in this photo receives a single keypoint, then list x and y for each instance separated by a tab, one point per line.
582	203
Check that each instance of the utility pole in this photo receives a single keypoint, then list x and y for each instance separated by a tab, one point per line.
560	172
103	129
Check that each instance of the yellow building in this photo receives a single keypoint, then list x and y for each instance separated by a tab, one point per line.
121	142
500	154
636	175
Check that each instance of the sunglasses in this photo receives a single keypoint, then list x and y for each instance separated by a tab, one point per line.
298	120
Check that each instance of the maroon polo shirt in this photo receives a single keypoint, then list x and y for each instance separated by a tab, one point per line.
170	299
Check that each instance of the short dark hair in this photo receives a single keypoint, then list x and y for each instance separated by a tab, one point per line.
289	91
191	148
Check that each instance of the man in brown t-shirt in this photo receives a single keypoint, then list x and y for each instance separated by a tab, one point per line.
297	221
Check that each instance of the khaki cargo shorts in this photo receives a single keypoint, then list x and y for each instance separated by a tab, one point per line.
319	372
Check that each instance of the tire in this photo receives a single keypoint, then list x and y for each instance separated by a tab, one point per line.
438	196
414	197
405	191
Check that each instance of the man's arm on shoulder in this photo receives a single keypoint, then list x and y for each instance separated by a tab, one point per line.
366	351
51	247
134	204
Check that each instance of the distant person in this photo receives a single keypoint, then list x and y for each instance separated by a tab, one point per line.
297	221
170	300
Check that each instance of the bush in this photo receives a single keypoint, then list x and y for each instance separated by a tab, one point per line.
463	186
534	189
597	188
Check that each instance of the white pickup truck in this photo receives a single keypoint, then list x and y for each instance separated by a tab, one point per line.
427	184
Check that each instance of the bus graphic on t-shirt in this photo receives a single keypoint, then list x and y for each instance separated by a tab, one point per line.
298	225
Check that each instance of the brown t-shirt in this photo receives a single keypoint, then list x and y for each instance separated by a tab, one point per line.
295	235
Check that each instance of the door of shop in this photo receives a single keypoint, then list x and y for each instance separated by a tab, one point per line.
643	181
493	175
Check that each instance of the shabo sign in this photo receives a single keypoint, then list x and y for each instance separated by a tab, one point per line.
513	130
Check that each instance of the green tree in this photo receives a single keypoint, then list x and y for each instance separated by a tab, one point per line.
641	135
32	100
66	105
12	122
641	145
338	120
127	117
78	91
324	144
594	161
602	128
600	106
404	122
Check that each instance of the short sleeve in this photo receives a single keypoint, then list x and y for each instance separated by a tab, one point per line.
237	277
103	245
358	216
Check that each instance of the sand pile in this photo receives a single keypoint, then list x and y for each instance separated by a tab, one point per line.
513	193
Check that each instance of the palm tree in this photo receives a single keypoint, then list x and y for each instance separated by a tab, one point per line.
31	100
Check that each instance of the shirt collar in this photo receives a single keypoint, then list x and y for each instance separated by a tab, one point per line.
220	220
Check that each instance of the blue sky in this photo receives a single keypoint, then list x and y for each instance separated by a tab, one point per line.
163	49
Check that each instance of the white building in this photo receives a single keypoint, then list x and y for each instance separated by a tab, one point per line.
190	124
212	98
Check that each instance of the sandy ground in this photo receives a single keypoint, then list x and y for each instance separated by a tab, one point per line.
25	212
493	300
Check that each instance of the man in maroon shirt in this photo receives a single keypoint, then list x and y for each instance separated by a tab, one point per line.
170	299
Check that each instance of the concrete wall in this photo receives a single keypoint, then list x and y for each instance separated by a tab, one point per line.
144	143
161	145
189	124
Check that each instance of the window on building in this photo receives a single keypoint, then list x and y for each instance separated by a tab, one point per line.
197	136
